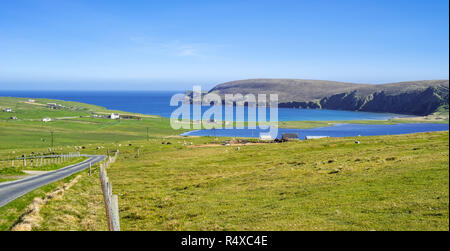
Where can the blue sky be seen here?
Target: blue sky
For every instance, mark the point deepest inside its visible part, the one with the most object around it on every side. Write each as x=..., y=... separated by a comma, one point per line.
x=163, y=45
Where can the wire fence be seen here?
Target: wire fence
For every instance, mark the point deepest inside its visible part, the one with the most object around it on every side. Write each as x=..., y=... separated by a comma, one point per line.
x=111, y=201
x=38, y=160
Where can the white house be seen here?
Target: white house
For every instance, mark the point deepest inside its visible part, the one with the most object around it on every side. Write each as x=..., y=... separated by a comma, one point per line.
x=46, y=119
x=265, y=137
x=7, y=110
x=31, y=100
x=114, y=116
x=316, y=137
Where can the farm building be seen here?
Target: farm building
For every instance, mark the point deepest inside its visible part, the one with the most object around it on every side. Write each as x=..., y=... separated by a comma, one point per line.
x=54, y=106
x=114, y=116
x=46, y=119
x=31, y=101
x=289, y=136
x=13, y=118
x=130, y=117
x=7, y=110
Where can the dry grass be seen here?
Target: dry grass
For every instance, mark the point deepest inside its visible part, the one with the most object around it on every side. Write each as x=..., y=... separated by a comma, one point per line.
x=384, y=183
x=31, y=218
x=81, y=209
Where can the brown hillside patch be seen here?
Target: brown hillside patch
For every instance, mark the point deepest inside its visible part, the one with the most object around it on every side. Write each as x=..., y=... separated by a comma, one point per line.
x=31, y=217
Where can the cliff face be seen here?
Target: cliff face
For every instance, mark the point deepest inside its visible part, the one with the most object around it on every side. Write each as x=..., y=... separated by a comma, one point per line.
x=416, y=98
x=418, y=102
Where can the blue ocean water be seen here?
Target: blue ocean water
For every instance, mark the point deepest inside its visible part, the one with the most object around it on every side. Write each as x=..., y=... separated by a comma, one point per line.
x=157, y=103
x=340, y=130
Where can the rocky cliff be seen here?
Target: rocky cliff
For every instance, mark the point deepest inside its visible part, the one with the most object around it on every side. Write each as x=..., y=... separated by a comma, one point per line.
x=416, y=97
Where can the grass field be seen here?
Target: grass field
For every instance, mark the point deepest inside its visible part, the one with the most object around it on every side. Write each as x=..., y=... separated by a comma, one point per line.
x=6, y=169
x=71, y=127
x=10, y=214
x=383, y=183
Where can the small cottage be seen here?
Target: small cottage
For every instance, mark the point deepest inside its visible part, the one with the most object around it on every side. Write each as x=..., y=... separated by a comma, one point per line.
x=114, y=116
x=46, y=119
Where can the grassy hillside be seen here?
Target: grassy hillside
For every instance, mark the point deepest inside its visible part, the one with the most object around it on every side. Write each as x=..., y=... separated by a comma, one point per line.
x=287, y=89
x=74, y=125
x=384, y=183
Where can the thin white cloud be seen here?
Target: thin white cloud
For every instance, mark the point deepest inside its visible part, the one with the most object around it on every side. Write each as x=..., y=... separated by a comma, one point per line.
x=187, y=51
x=171, y=48
x=180, y=49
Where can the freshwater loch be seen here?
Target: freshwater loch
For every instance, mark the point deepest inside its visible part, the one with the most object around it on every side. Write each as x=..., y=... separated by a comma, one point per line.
x=339, y=130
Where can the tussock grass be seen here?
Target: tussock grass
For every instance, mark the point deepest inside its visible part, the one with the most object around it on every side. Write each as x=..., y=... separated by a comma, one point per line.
x=10, y=213
x=80, y=209
x=32, y=218
x=384, y=183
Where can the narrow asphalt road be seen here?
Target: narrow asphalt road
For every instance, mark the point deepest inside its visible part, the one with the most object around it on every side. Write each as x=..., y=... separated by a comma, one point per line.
x=10, y=191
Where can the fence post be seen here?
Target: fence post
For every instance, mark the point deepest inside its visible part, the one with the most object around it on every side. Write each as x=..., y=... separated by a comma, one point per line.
x=115, y=209
x=105, y=199
x=108, y=196
x=111, y=201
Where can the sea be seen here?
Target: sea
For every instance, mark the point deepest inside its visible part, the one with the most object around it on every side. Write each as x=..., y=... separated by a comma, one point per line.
x=158, y=103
